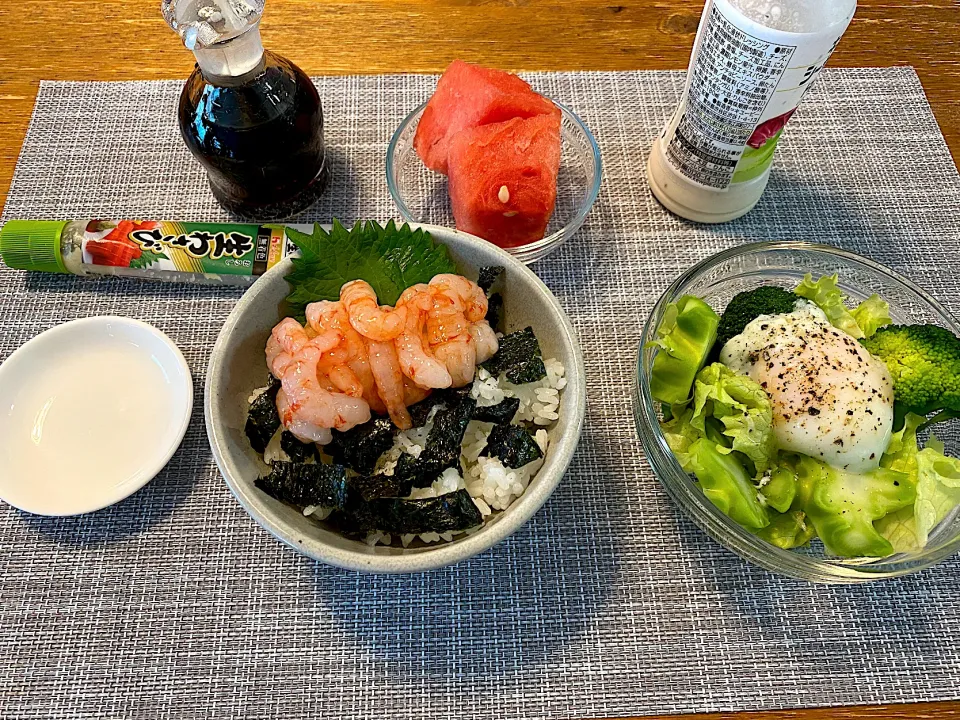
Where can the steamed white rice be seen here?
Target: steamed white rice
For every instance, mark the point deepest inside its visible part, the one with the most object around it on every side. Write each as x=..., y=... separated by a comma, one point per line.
x=492, y=486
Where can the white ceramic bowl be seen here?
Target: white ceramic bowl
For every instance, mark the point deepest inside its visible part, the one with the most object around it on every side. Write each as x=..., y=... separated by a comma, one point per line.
x=93, y=409
x=237, y=368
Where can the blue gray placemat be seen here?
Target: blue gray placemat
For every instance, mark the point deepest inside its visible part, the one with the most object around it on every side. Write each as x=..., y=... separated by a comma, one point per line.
x=174, y=604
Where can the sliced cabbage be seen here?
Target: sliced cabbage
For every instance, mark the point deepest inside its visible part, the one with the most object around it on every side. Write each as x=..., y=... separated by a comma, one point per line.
x=726, y=484
x=685, y=337
x=825, y=294
x=779, y=488
x=843, y=506
x=872, y=314
x=680, y=435
x=743, y=408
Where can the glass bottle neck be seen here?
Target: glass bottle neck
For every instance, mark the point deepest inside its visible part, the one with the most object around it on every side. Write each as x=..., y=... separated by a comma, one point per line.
x=230, y=62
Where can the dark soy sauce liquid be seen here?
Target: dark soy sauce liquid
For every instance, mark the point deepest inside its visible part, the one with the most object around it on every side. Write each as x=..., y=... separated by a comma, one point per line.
x=260, y=140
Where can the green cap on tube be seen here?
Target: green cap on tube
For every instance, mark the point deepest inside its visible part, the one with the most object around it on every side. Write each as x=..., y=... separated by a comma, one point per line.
x=33, y=245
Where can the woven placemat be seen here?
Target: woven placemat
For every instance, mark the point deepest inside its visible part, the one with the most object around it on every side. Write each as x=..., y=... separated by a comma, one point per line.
x=174, y=604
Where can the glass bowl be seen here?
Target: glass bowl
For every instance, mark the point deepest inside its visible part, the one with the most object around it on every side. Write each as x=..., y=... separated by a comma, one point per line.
x=421, y=194
x=717, y=279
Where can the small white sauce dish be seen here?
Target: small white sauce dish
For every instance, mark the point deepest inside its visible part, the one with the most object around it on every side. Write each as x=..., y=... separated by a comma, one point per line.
x=90, y=412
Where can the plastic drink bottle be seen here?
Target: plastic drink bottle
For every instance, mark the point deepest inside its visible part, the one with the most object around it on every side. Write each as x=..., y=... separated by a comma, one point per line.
x=753, y=62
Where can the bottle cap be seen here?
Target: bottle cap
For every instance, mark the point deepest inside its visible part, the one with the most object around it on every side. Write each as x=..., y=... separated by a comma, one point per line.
x=33, y=245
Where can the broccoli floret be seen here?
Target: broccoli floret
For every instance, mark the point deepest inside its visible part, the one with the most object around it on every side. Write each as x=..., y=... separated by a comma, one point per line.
x=924, y=362
x=748, y=306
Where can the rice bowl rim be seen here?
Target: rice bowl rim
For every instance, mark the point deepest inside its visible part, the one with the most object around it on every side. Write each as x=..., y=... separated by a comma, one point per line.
x=563, y=444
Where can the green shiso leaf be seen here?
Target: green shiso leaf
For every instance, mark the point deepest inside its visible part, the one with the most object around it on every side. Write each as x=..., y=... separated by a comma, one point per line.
x=390, y=258
x=146, y=259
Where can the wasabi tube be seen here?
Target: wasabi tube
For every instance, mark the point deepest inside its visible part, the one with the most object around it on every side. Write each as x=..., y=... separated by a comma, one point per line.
x=209, y=253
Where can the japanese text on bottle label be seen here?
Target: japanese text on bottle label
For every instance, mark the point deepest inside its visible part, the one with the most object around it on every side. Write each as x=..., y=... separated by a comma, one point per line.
x=732, y=80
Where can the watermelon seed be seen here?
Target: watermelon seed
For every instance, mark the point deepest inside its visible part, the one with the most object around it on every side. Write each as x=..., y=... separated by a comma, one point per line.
x=504, y=194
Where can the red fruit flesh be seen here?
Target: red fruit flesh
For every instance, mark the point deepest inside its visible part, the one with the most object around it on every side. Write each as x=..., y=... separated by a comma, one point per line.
x=469, y=96
x=520, y=155
x=115, y=253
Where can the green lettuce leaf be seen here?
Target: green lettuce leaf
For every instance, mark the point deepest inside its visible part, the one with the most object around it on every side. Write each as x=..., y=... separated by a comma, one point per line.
x=726, y=484
x=390, y=258
x=938, y=493
x=680, y=435
x=685, y=337
x=722, y=476
x=844, y=506
x=900, y=530
x=787, y=530
x=872, y=314
x=827, y=296
x=901, y=453
x=743, y=408
x=900, y=527
x=937, y=480
x=938, y=489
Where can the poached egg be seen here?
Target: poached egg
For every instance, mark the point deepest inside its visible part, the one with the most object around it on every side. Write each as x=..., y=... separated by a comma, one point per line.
x=832, y=400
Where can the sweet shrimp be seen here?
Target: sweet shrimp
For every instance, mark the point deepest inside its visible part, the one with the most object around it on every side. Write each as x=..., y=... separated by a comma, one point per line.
x=448, y=333
x=347, y=365
x=303, y=431
x=416, y=361
x=285, y=341
x=390, y=381
x=485, y=340
x=307, y=408
x=367, y=317
x=277, y=359
x=471, y=295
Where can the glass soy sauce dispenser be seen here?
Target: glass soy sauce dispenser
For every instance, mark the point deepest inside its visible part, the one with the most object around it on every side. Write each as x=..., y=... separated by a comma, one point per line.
x=252, y=118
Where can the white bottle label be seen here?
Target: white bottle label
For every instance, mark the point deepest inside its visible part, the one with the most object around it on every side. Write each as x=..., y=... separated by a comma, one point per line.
x=744, y=83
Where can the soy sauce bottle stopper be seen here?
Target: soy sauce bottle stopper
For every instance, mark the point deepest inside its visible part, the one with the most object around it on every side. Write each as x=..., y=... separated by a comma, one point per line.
x=251, y=117
x=224, y=35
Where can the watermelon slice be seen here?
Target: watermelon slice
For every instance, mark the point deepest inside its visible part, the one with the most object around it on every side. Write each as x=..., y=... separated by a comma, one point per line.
x=468, y=96
x=503, y=179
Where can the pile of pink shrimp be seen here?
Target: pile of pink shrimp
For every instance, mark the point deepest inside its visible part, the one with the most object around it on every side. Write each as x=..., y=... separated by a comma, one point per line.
x=355, y=357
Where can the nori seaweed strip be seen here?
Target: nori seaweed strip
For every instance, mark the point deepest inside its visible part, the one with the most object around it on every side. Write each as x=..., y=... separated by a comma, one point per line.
x=355, y=518
x=442, y=447
x=495, y=310
x=263, y=420
x=302, y=485
x=419, y=412
x=488, y=276
x=372, y=487
x=447, y=513
x=450, y=512
x=519, y=357
x=513, y=445
x=298, y=451
x=500, y=413
x=361, y=447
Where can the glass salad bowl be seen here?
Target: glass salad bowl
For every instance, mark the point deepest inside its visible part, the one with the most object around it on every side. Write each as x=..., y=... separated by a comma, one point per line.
x=421, y=194
x=717, y=279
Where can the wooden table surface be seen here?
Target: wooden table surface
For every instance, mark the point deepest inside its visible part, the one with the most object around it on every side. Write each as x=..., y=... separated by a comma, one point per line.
x=128, y=40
